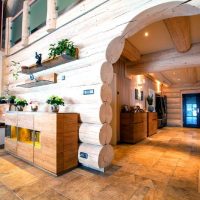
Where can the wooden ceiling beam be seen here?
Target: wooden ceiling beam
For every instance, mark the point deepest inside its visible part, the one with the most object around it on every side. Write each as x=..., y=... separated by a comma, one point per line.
x=131, y=52
x=160, y=77
x=179, y=30
x=165, y=60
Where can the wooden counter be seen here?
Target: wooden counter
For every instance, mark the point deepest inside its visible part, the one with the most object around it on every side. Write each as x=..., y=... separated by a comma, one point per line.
x=152, y=123
x=47, y=140
x=133, y=127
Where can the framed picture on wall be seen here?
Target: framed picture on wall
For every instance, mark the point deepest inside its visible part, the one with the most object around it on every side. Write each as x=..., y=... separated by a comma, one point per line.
x=136, y=94
x=142, y=95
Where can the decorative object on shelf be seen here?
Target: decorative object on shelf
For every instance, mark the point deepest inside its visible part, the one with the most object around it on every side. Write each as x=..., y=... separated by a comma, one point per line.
x=38, y=58
x=150, y=103
x=16, y=68
x=20, y=104
x=136, y=94
x=34, y=106
x=55, y=102
x=64, y=46
x=131, y=109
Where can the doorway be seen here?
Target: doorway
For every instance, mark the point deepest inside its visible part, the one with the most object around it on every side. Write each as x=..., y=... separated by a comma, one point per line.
x=191, y=115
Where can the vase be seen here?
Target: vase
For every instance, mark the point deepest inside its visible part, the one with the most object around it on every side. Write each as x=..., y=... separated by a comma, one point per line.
x=150, y=108
x=20, y=108
x=34, y=108
x=55, y=108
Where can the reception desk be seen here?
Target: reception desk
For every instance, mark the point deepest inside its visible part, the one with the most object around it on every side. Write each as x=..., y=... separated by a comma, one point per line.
x=47, y=140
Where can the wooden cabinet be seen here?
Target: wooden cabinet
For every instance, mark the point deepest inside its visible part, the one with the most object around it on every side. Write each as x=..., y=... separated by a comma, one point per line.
x=152, y=123
x=48, y=140
x=133, y=127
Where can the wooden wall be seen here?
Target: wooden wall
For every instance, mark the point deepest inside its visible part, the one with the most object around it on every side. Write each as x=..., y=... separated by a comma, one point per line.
x=99, y=29
x=125, y=87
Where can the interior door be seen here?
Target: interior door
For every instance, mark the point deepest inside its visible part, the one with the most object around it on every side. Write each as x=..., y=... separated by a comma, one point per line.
x=191, y=106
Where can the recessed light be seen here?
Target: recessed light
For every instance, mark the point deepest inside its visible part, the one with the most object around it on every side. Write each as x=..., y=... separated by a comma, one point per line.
x=178, y=79
x=146, y=34
x=174, y=73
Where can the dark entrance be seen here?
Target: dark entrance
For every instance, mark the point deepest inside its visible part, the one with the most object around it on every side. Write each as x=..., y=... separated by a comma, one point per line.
x=191, y=106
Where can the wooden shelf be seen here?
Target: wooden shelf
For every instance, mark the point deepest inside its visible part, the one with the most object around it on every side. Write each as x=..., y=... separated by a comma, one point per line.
x=43, y=80
x=48, y=63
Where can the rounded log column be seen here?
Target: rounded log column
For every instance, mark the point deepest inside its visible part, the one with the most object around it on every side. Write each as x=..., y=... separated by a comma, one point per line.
x=51, y=15
x=25, y=23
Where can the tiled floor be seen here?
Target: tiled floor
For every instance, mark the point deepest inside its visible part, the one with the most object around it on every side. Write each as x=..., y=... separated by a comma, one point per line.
x=163, y=167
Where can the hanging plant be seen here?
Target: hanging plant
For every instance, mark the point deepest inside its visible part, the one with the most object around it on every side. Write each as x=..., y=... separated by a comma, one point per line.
x=16, y=68
x=62, y=47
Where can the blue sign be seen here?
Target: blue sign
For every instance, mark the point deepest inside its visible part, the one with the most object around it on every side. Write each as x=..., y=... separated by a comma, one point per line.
x=88, y=92
x=83, y=155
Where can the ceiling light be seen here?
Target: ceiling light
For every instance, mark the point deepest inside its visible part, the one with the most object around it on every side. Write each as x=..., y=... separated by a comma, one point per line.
x=174, y=73
x=146, y=34
x=178, y=79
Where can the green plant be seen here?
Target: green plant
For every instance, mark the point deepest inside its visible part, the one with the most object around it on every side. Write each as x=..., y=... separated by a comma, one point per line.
x=11, y=99
x=16, y=67
x=62, y=47
x=20, y=102
x=55, y=100
x=150, y=99
x=3, y=100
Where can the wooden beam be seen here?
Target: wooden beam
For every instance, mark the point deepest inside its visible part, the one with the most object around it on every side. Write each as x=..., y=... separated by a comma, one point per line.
x=131, y=52
x=160, y=77
x=179, y=30
x=165, y=60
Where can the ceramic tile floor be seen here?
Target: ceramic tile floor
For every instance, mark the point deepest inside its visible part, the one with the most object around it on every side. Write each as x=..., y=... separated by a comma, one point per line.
x=163, y=167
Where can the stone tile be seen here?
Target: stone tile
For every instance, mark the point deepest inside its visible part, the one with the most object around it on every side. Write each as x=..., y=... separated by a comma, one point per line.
x=32, y=190
x=6, y=194
x=50, y=195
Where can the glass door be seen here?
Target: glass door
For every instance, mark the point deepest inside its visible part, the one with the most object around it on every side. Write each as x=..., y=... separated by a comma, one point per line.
x=191, y=115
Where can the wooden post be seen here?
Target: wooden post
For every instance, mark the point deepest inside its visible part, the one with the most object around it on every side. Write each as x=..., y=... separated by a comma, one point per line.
x=25, y=23
x=51, y=15
x=8, y=35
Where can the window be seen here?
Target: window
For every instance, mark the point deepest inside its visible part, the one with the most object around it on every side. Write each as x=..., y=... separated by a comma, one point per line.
x=38, y=13
x=62, y=5
x=16, y=30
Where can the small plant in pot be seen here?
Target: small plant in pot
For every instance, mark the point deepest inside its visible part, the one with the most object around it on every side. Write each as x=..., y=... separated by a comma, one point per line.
x=11, y=101
x=150, y=103
x=20, y=104
x=55, y=102
x=3, y=100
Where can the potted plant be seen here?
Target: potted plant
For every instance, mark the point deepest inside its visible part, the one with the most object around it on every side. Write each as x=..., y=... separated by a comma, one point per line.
x=11, y=101
x=20, y=104
x=64, y=46
x=55, y=102
x=3, y=100
x=150, y=103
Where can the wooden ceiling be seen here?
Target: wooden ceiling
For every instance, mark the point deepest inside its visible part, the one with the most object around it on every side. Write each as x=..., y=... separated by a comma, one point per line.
x=169, y=48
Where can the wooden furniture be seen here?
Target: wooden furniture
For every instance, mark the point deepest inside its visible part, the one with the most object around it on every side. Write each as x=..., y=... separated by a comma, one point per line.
x=152, y=123
x=133, y=127
x=47, y=140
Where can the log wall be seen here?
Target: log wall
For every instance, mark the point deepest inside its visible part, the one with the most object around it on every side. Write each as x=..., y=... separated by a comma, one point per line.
x=98, y=28
x=174, y=103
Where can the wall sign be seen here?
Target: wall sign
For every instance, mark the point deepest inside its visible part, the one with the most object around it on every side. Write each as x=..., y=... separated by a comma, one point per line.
x=88, y=92
x=83, y=155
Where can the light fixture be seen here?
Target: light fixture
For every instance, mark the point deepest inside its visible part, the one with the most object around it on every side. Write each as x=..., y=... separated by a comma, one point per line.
x=178, y=79
x=146, y=34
